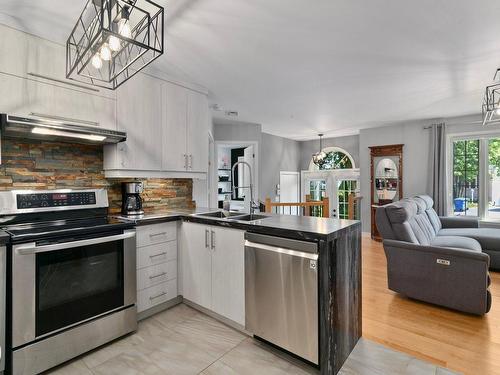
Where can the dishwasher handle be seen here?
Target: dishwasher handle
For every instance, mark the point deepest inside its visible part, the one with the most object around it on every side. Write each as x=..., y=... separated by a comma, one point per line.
x=281, y=250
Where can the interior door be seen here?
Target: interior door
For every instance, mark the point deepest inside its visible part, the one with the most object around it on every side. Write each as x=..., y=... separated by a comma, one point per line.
x=289, y=191
x=228, y=274
x=196, y=264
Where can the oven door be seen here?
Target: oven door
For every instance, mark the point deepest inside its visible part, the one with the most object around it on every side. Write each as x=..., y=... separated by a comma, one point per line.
x=60, y=284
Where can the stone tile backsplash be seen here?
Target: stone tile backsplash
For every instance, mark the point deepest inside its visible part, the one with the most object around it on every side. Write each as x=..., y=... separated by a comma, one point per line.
x=34, y=164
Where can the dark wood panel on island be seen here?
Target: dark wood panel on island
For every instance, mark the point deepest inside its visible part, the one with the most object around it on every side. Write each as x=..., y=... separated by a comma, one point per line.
x=340, y=324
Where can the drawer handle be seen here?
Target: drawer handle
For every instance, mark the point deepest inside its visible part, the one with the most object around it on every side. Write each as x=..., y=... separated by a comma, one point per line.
x=159, y=275
x=157, y=255
x=157, y=296
x=158, y=234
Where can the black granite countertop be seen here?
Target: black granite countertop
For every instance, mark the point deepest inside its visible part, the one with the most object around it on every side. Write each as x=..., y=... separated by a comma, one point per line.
x=299, y=227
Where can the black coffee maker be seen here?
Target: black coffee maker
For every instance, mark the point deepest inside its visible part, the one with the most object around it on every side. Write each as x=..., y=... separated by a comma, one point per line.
x=131, y=198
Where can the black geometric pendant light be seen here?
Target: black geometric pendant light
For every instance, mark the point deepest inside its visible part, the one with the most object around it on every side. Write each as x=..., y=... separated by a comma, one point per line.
x=113, y=40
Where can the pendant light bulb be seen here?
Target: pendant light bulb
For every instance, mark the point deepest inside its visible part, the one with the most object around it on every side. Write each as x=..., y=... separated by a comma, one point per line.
x=96, y=61
x=124, y=28
x=105, y=52
x=114, y=43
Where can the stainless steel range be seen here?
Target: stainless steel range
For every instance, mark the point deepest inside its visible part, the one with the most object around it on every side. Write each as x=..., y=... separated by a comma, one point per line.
x=72, y=276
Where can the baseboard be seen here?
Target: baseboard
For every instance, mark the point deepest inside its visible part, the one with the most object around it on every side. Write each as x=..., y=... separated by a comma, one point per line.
x=218, y=317
x=159, y=308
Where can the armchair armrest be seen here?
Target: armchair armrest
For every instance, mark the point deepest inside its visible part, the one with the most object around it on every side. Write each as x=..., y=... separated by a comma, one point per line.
x=459, y=222
x=450, y=277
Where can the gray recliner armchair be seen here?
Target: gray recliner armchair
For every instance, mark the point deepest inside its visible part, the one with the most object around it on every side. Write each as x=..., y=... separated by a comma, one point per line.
x=434, y=259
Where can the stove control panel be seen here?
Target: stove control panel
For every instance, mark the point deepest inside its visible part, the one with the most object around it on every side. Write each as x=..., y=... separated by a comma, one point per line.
x=45, y=200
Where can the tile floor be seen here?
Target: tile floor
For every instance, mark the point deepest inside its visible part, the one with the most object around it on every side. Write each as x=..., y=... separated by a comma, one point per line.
x=184, y=341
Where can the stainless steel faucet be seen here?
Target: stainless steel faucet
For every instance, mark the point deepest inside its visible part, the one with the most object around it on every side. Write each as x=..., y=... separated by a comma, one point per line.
x=234, y=188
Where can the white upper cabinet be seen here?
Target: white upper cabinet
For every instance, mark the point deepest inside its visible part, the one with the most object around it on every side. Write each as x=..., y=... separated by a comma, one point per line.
x=36, y=58
x=138, y=114
x=197, y=132
x=33, y=72
x=185, y=129
x=174, y=134
x=167, y=130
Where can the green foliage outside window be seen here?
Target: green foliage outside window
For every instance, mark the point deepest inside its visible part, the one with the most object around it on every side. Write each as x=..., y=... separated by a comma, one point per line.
x=494, y=156
x=335, y=160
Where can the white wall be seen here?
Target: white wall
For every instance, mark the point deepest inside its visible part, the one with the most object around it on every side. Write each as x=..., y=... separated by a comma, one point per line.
x=278, y=154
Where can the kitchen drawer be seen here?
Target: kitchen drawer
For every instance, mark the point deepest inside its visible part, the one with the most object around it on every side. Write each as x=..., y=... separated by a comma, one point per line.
x=156, y=233
x=156, y=254
x=155, y=295
x=149, y=276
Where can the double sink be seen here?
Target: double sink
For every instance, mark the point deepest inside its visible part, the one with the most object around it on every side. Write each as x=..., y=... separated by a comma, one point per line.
x=236, y=216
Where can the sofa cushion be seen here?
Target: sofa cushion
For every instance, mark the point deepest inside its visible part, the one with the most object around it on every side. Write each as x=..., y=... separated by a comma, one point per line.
x=456, y=242
x=421, y=205
x=431, y=213
x=489, y=238
x=422, y=228
x=401, y=211
x=400, y=215
x=383, y=224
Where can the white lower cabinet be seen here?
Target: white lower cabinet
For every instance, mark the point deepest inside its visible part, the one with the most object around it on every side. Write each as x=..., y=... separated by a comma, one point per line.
x=151, y=297
x=156, y=264
x=213, y=273
x=196, y=258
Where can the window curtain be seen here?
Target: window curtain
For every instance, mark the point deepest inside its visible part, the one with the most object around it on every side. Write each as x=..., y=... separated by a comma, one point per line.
x=438, y=166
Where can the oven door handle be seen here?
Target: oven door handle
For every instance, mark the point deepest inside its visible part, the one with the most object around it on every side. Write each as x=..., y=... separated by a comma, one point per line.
x=33, y=249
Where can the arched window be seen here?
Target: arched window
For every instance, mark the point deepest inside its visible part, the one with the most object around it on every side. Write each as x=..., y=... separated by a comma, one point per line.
x=336, y=158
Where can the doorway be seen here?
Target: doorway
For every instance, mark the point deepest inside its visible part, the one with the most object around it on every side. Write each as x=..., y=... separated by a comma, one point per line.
x=289, y=191
x=227, y=154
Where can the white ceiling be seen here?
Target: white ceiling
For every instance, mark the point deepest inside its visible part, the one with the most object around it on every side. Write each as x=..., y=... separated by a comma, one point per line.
x=299, y=67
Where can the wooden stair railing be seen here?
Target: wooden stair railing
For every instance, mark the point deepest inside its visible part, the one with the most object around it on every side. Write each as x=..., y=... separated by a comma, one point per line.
x=305, y=207
x=353, y=206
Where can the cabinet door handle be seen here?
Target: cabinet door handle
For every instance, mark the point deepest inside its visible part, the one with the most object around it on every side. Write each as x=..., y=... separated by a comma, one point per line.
x=190, y=161
x=185, y=162
x=158, y=234
x=207, y=233
x=157, y=255
x=157, y=296
x=61, y=81
x=212, y=242
x=156, y=276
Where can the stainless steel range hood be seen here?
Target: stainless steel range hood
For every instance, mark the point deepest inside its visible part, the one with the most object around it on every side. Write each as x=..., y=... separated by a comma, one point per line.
x=58, y=130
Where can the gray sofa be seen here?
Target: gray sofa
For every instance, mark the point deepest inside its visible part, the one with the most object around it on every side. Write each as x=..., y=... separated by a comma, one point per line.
x=444, y=261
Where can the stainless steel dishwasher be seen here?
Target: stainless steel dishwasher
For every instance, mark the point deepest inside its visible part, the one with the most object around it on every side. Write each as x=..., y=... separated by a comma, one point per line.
x=3, y=308
x=281, y=293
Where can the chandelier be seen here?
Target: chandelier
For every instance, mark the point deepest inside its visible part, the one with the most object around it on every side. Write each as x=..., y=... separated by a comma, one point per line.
x=113, y=40
x=319, y=156
x=491, y=101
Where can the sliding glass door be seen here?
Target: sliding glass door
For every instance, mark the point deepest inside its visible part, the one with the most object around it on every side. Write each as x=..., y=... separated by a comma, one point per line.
x=475, y=177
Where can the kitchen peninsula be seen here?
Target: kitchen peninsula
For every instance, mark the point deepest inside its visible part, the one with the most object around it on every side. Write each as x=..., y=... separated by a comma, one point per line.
x=338, y=265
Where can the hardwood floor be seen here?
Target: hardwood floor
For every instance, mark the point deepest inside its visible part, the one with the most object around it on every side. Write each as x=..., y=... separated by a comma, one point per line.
x=461, y=342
